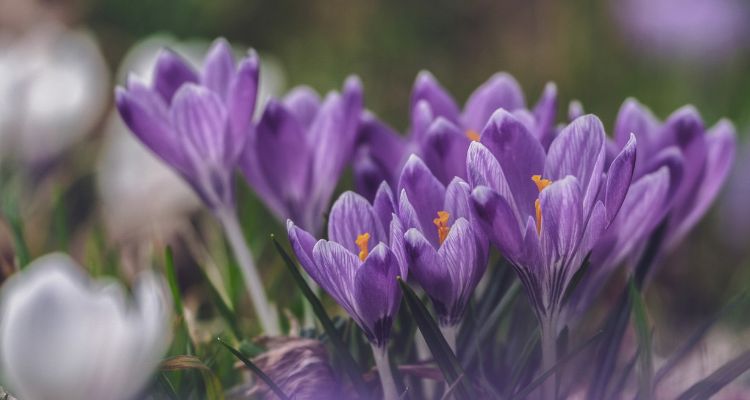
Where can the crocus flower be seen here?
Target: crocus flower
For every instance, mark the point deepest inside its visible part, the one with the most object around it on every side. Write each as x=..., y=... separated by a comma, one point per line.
x=378, y=157
x=546, y=212
x=301, y=145
x=198, y=124
x=699, y=160
x=358, y=266
x=442, y=133
x=445, y=246
x=63, y=336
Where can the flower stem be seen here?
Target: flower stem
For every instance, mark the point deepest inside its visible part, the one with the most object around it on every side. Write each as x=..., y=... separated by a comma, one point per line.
x=266, y=314
x=549, y=356
x=384, y=371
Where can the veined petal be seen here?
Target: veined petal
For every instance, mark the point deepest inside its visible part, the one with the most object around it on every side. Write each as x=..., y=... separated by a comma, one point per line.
x=426, y=268
x=442, y=104
x=351, y=216
x=407, y=214
x=384, y=204
x=545, y=111
x=377, y=294
x=218, y=68
x=199, y=117
x=500, y=91
x=241, y=100
x=170, y=73
x=497, y=220
x=283, y=156
x=304, y=102
x=397, y=246
x=562, y=221
x=519, y=154
x=424, y=192
x=302, y=244
x=619, y=178
x=458, y=200
x=634, y=118
x=483, y=169
x=579, y=150
x=444, y=150
x=334, y=270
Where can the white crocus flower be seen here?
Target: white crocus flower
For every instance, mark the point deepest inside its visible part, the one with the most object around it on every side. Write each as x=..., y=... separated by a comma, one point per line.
x=65, y=336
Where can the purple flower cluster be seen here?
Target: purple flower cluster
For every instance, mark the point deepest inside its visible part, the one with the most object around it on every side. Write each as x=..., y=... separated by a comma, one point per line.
x=431, y=204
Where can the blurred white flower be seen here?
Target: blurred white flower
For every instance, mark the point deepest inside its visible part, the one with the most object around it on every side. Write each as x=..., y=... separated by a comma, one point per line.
x=64, y=336
x=54, y=88
x=140, y=194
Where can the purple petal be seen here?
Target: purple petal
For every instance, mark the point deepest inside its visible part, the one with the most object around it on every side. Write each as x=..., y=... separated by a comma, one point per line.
x=500, y=91
x=384, y=204
x=146, y=114
x=218, y=68
x=579, y=150
x=425, y=193
x=444, y=150
x=421, y=119
x=619, y=177
x=484, y=170
x=397, y=246
x=334, y=270
x=377, y=294
x=302, y=244
x=425, y=266
x=442, y=104
x=575, y=110
x=721, y=144
x=498, y=221
x=544, y=112
x=351, y=216
x=304, y=102
x=458, y=200
x=241, y=100
x=562, y=221
x=170, y=73
x=520, y=156
x=283, y=156
x=199, y=117
x=380, y=154
x=407, y=214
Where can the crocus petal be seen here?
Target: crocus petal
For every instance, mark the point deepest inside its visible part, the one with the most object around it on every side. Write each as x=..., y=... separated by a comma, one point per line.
x=721, y=144
x=279, y=135
x=351, y=216
x=545, y=111
x=519, y=154
x=377, y=294
x=497, y=220
x=421, y=119
x=424, y=192
x=500, y=91
x=304, y=102
x=444, y=150
x=199, y=116
x=407, y=213
x=170, y=73
x=334, y=270
x=302, y=244
x=634, y=118
x=458, y=200
x=579, y=150
x=218, y=68
x=427, y=88
x=575, y=110
x=619, y=177
x=145, y=113
x=384, y=204
x=397, y=246
x=241, y=99
x=383, y=150
x=562, y=220
x=426, y=268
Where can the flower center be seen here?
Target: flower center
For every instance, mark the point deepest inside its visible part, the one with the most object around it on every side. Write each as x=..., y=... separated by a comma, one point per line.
x=541, y=184
x=441, y=222
x=362, y=241
x=472, y=135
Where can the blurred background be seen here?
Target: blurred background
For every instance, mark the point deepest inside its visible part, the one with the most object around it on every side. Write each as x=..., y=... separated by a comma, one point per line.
x=73, y=179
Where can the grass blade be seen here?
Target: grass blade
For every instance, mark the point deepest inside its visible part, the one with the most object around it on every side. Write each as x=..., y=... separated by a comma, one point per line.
x=172, y=280
x=214, y=390
x=541, y=378
x=441, y=352
x=353, y=370
x=523, y=361
x=720, y=378
x=490, y=324
x=252, y=367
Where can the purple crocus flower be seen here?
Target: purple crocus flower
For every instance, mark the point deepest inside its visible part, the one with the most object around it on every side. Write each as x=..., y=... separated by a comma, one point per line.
x=301, y=145
x=379, y=155
x=196, y=122
x=358, y=266
x=546, y=212
x=445, y=247
x=699, y=160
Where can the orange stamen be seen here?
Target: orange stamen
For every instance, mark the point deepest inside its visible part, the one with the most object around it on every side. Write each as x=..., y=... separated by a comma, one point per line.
x=540, y=183
x=441, y=222
x=472, y=135
x=362, y=241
